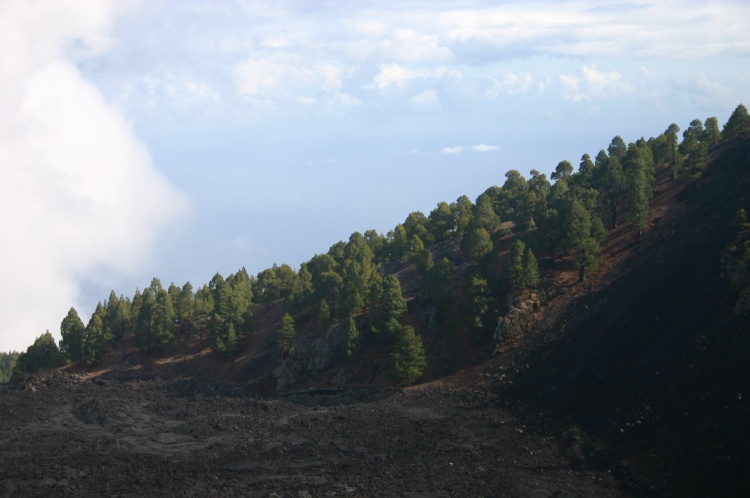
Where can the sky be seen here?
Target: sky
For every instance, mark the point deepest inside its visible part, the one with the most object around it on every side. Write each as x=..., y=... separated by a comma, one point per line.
x=180, y=138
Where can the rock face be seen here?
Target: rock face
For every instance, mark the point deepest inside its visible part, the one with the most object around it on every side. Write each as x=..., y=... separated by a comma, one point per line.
x=519, y=319
x=312, y=357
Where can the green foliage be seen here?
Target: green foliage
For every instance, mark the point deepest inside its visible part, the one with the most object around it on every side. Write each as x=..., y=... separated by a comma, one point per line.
x=7, y=364
x=478, y=309
x=96, y=342
x=41, y=355
x=287, y=331
x=409, y=359
x=351, y=339
x=72, y=332
x=531, y=278
x=144, y=330
x=712, y=132
x=118, y=320
x=478, y=244
x=462, y=215
x=390, y=306
x=441, y=222
x=164, y=321
x=611, y=183
x=563, y=171
x=694, y=149
x=416, y=224
x=738, y=123
x=324, y=316
x=514, y=270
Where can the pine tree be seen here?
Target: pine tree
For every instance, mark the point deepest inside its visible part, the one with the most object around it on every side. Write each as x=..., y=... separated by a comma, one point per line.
x=531, y=276
x=95, y=344
x=324, y=316
x=72, y=332
x=409, y=359
x=43, y=354
x=737, y=124
x=287, y=332
x=514, y=271
x=163, y=321
x=389, y=308
x=351, y=339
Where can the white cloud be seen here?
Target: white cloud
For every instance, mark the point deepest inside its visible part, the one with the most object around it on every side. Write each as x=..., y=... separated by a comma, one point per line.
x=395, y=74
x=706, y=94
x=80, y=198
x=452, y=150
x=484, y=148
x=592, y=84
x=511, y=85
x=278, y=78
x=428, y=97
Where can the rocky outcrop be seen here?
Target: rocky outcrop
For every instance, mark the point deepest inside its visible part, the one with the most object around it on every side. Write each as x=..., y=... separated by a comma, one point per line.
x=520, y=318
x=312, y=357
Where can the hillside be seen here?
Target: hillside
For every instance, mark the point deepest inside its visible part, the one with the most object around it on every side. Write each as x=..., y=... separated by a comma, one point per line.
x=633, y=382
x=652, y=364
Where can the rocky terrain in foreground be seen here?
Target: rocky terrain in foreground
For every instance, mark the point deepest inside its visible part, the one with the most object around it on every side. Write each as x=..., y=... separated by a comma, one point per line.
x=67, y=436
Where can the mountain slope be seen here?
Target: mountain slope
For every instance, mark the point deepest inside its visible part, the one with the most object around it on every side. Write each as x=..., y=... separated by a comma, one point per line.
x=652, y=366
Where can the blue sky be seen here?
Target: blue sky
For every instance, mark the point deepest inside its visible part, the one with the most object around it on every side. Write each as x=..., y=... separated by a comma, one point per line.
x=180, y=138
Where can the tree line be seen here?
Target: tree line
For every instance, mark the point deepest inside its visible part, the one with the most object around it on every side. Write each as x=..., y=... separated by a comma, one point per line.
x=564, y=216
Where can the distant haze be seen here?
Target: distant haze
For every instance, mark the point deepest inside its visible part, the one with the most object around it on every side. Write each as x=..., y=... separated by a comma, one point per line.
x=181, y=138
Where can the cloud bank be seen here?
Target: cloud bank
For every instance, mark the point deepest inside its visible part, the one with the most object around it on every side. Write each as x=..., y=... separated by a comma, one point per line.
x=79, y=197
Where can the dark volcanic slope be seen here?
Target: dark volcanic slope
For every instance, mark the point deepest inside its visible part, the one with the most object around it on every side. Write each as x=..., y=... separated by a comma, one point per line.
x=653, y=366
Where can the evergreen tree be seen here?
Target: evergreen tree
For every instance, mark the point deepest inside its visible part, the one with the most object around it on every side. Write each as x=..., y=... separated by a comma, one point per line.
x=514, y=271
x=441, y=222
x=399, y=242
x=617, y=148
x=144, y=330
x=96, y=341
x=462, y=215
x=390, y=306
x=72, y=332
x=610, y=181
x=185, y=308
x=163, y=321
x=478, y=307
x=416, y=224
x=287, y=332
x=713, y=134
x=409, y=359
x=43, y=354
x=7, y=364
x=324, y=316
x=204, y=308
x=484, y=215
x=477, y=244
x=351, y=339
x=563, y=171
x=738, y=123
x=531, y=278
x=695, y=149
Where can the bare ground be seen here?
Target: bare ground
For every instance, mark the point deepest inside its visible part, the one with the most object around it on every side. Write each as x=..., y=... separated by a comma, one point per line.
x=70, y=436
